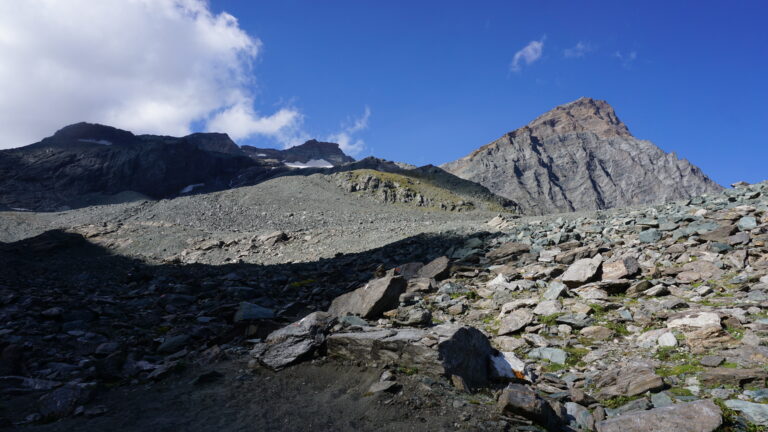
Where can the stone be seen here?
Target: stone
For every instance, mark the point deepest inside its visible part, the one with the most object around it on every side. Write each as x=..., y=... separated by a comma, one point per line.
x=694, y=320
x=509, y=343
x=728, y=376
x=437, y=269
x=640, y=404
x=548, y=307
x=649, y=236
x=273, y=238
x=372, y=300
x=720, y=234
x=621, y=269
x=507, y=250
x=667, y=340
x=515, y=321
x=628, y=381
x=697, y=416
x=747, y=223
x=661, y=400
x=712, y=360
x=522, y=400
x=596, y=332
x=578, y=320
x=554, y=290
x=582, y=271
x=295, y=341
x=249, y=311
x=417, y=316
x=579, y=417
x=553, y=355
x=754, y=412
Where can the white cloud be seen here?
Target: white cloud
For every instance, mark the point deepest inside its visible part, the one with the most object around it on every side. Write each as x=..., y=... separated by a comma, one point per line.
x=350, y=144
x=578, y=50
x=626, y=59
x=529, y=54
x=149, y=66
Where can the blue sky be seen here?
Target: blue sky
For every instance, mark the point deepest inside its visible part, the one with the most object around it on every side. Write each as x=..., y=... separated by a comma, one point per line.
x=421, y=81
x=436, y=76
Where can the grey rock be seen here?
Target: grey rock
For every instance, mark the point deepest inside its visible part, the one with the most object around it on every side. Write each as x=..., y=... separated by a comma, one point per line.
x=747, y=223
x=649, y=236
x=582, y=271
x=621, y=269
x=579, y=417
x=515, y=321
x=661, y=400
x=371, y=300
x=628, y=381
x=712, y=360
x=518, y=399
x=437, y=269
x=295, y=341
x=641, y=404
x=554, y=355
x=698, y=416
x=554, y=290
x=754, y=412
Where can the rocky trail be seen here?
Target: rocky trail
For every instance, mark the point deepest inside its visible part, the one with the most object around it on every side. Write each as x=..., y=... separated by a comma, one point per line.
x=638, y=319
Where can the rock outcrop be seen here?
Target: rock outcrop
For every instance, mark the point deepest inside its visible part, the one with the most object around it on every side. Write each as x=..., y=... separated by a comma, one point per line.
x=580, y=156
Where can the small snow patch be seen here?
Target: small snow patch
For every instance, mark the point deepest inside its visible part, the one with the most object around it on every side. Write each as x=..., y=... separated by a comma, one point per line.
x=313, y=163
x=261, y=155
x=191, y=187
x=95, y=141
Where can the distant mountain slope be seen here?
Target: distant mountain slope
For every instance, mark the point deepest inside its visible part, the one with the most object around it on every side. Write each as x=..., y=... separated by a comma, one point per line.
x=580, y=156
x=85, y=164
x=310, y=150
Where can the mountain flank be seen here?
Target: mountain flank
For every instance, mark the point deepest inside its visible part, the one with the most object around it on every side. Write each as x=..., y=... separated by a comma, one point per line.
x=580, y=156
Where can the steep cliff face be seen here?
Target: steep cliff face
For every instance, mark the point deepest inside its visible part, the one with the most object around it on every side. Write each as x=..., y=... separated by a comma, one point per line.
x=580, y=156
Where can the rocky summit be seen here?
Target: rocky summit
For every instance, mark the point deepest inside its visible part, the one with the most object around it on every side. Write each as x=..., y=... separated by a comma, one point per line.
x=580, y=156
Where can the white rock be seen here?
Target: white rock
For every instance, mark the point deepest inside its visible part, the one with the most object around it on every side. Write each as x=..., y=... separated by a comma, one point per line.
x=695, y=319
x=667, y=340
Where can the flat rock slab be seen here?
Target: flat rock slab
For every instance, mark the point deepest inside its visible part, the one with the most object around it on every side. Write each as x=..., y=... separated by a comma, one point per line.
x=507, y=250
x=754, y=412
x=372, y=300
x=694, y=320
x=731, y=376
x=515, y=321
x=437, y=269
x=628, y=381
x=442, y=350
x=698, y=416
x=582, y=271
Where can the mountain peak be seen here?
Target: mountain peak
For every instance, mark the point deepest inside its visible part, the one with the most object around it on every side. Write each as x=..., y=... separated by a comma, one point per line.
x=582, y=115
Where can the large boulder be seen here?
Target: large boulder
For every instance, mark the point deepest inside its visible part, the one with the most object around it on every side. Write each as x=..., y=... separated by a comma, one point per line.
x=438, y=269
x=582, y=271
x=522, y=400
x=697, y=416
x=448, y=350
x=294, y=341
x=372, y=300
